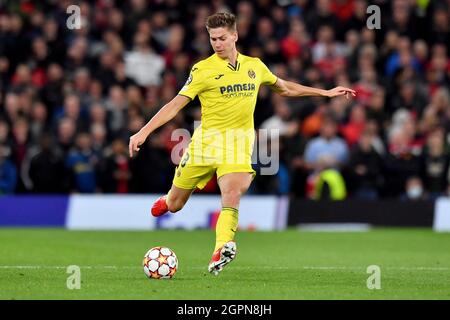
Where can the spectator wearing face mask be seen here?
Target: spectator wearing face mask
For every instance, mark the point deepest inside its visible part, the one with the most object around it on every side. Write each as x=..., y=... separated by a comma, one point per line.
x=414, y=190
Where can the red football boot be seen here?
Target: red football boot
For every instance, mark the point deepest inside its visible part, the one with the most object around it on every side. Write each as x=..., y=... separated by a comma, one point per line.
x=222, y=257
x=160, y=207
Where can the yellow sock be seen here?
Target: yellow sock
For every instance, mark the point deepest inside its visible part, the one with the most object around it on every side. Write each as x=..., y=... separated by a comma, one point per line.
x=226, y=226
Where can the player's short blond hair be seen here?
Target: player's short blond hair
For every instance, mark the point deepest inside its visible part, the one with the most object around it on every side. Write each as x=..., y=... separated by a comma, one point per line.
x=221, y=20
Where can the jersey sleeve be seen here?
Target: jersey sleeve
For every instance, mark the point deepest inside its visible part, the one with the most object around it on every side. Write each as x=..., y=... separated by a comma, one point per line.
x=267, y=77
x=194, y=84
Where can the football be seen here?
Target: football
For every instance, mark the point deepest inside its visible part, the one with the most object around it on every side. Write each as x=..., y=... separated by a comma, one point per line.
x=160, y=263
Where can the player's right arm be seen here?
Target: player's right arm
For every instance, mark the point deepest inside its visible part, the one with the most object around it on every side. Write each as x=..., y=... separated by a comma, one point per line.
x=167, y=112
x=193, y=86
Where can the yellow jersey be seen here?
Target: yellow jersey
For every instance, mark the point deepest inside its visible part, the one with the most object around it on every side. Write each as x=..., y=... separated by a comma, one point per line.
x=227, y=96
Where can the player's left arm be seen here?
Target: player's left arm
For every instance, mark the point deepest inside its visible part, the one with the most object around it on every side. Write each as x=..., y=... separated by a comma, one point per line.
x=292, y=89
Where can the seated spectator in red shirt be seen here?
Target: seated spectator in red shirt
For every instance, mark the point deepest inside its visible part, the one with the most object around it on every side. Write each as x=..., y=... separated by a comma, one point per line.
x=355, y=126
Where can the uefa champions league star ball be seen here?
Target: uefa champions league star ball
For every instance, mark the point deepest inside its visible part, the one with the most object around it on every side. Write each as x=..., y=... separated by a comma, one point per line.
x=160, y=263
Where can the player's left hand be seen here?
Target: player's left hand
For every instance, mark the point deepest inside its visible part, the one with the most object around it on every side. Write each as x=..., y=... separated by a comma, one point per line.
x=340, y=91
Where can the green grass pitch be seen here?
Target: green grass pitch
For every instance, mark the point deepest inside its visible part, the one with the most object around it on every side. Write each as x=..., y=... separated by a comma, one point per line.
x=292, y=264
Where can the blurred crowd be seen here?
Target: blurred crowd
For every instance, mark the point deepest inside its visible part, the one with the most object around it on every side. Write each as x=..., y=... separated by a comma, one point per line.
x=71, y=98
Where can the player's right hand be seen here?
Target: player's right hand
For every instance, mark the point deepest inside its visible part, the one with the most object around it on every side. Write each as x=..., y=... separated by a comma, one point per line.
x=135, y=141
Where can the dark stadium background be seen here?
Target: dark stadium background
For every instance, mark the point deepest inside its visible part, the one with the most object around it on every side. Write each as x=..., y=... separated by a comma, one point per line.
x=71, y=98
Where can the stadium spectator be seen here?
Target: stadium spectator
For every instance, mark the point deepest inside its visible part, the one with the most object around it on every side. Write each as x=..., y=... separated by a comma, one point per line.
x=8, y=172
x=326, y=52
x=77, y=54
x=81, y=86
x=65, y=135
x=120, y=77
x=440, y=30
x=54, y=37
x=435, y=164
x=52, y=93
x=142, y=64
x=11, y=107
x=82, y=163
x=38, y=121
x=409, y=98
x=287, y=128
x=282, y=119
x=40, y=57
x=293, y=44
x=400, y=162
x=414, y=189
x=358, y=18
x=114, y=170
x=364, y=169
x=437, y=112
x=353, y=129
x=376, y=109
x=99, y=138
x=72, y=110
x=106, y=71
x=322, y=15
x=47, y=172
x=116, y=105
x=152, y=168
x=98, y=115
x=402, y=21
x=21, y=144
x=5, y=139
x=313, y=122
x=4, y=70
x=328, y=150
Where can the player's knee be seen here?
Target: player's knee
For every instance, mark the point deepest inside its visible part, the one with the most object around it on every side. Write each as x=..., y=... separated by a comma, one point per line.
x=231, y=197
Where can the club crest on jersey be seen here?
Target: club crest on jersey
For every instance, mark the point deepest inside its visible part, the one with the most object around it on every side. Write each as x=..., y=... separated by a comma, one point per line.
x=251, y=74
